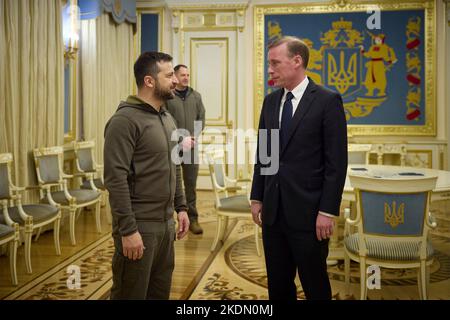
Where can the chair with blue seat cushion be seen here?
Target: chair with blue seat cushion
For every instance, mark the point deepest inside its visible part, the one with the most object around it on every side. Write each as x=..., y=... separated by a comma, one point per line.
x=90, y=171
x=50, y=175
x=226, y=206
x=29, y=217
x=393, y=223
x=10, y=235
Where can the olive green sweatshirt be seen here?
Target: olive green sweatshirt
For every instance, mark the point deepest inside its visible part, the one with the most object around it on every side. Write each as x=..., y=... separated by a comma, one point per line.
x=143, y=182
x=187, y=110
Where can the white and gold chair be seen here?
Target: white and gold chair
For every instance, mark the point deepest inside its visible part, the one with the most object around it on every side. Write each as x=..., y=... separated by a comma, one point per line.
x=10, y=235
x=226, y=206
x=90, y=170
x=50, y=175
x=392, y=222
x=29, y=217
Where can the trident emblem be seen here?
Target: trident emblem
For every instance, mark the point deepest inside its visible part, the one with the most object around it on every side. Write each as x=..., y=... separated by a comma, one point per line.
x=339, y=77
x=395, y=216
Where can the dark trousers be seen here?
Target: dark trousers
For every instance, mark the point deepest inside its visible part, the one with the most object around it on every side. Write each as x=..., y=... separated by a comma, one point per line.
x=288, y=251
x=190, y=174
x=150, y=277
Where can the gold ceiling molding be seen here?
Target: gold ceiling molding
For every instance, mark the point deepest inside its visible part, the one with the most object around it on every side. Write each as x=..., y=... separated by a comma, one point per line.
x=208, y=18
x=209, y=7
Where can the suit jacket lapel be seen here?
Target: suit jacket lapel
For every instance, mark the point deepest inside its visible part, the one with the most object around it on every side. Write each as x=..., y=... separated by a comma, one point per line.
x=276, y=111
x=302, y=108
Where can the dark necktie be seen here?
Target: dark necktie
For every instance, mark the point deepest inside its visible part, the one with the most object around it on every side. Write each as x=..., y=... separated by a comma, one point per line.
x=286, y=118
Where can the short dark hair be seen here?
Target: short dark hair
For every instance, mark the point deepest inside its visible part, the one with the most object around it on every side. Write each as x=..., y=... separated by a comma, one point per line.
x=178, y=66
x=147, y=64
x=295, y=46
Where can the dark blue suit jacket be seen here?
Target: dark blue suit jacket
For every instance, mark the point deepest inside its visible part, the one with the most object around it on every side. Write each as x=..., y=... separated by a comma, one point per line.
x=313, y=163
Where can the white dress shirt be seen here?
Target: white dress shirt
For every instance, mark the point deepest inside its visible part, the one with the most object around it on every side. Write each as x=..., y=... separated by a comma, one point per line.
x=298, y=92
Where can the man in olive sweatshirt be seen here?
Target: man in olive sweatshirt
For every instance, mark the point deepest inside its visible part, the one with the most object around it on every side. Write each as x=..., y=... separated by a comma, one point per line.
x=144, y=184
x=188, y=110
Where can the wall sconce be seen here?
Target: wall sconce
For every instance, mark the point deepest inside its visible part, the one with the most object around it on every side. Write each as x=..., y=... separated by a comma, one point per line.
x=71, y=27
x=71, y=48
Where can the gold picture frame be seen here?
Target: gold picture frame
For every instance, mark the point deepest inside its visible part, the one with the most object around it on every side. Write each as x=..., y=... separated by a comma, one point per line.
x=343, y=6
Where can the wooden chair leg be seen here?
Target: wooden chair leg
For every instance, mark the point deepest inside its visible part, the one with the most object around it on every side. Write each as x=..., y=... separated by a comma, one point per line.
x=72, y=214
x=363, y=284
x=56, y=227
x=218, y=231
x=98, y=217
x=28, y=236
x=347, y=272
x=423, y=279
x=223, y=228
x=13, y=261
x=419, y=283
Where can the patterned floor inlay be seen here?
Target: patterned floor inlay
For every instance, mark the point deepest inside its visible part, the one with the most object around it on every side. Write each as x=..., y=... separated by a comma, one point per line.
x=238, y=273
x=94, y=263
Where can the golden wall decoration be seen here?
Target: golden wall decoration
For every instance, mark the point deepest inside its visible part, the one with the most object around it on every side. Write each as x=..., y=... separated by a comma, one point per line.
x=347, y=56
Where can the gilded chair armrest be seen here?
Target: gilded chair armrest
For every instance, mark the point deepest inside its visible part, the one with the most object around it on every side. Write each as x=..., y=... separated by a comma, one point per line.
x=431, y=221
x=79, y=174
x=352, y=222
x=6, y=216
x=49, y=196
x=90, y=178
x=25, y=217
x=243, y=180
x=348, y=220
x=67, y=176
x=51, y=201
x=68, y=196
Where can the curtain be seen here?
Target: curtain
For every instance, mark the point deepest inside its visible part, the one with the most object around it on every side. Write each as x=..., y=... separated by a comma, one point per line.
x=31, y=81
x=106, y=65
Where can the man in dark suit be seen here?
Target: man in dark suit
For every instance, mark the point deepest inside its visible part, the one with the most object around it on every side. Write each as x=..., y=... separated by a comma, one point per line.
x=297, y=204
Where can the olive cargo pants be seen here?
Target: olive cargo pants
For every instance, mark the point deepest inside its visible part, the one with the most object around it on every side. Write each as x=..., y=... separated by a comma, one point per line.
x=150, y=277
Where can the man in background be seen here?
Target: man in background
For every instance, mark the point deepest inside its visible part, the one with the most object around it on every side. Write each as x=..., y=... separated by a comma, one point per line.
x=187, y=109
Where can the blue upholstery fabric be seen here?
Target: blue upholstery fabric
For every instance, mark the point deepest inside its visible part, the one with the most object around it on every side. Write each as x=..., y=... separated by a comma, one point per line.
x=393, y=214
x=49, y=168
x=218, y=171
x=4, y=181
x=5, y=231
x=82, y=196
x=85, y=160
x=40, y=212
